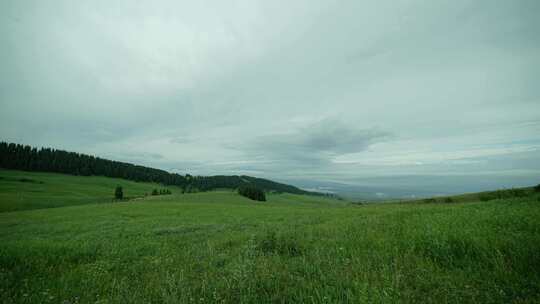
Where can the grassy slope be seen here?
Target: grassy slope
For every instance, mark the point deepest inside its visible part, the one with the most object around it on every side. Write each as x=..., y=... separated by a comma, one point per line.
x=57, y=190
x=220, y=247
x=473, y=197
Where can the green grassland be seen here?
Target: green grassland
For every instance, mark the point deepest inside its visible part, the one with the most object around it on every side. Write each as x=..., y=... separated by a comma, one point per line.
x=21, y=190
x=219, y=247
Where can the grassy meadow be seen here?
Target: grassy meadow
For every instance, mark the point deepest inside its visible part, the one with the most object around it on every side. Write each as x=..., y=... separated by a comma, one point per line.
x=21, y=190
x=219, y=247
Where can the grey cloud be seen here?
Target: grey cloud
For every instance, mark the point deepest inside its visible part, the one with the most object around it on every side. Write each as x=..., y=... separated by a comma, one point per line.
x=315, y=143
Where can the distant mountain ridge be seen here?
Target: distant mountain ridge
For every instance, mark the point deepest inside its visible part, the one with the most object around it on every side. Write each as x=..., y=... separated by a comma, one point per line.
x=27, y=158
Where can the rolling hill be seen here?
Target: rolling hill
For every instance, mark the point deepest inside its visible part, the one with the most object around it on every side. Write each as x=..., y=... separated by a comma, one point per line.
x=23, y=157
x=20, y=190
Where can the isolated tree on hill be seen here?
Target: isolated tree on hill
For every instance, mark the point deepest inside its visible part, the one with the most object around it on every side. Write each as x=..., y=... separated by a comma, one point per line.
x=118, y=193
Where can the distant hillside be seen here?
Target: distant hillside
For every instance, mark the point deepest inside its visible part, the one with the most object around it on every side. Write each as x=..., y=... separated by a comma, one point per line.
x=23, y=157
x=23, y=190
x=483, y=196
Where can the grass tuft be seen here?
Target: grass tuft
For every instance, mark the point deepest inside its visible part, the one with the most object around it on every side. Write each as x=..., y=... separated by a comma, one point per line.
x=282, y=244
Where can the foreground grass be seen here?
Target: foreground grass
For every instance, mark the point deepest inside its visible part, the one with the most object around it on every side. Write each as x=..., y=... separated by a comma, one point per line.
x=21, y=190
x=222, y=248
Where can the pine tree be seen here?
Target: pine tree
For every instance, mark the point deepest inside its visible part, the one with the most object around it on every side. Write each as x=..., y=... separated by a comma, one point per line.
x=118, y=193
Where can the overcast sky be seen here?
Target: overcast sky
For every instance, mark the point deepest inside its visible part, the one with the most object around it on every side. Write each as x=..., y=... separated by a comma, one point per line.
x=410, y=94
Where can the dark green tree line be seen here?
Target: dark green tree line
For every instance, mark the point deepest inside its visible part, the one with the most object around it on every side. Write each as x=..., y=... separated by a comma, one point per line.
x=23, y=157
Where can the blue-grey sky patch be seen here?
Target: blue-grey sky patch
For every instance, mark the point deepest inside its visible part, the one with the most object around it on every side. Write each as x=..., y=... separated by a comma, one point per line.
x=314, y=92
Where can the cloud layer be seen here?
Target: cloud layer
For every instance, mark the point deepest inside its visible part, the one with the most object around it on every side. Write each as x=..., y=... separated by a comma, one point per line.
x=310, y=92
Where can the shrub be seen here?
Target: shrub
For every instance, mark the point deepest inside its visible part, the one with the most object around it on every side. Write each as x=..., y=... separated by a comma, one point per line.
x=155, y=192
x=189, y=189
x=448, y=200
x=486, y=197
x=517, y=193
x=502, y=194
x=28, y=180
x=118, y=193
x=252, y=192
x=537, y=188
